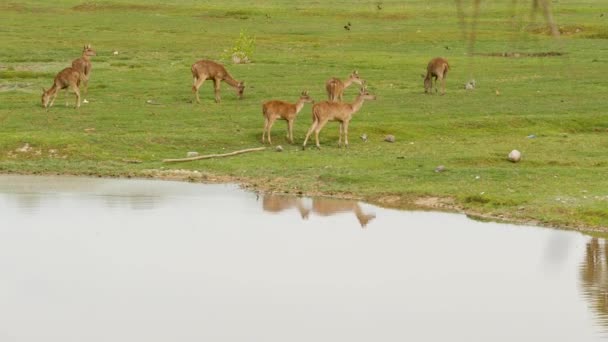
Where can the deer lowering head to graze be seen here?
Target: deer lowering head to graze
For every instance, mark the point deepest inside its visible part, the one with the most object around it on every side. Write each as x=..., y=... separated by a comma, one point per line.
x=325, y=111
x=438, y=69
x=275, y=109
x=335, y=87
x=83, y=66
x=277, y=203
x=204, y=69
x=68, y=78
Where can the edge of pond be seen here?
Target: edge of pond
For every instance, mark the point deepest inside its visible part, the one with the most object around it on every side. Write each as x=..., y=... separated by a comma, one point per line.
x=389, y=201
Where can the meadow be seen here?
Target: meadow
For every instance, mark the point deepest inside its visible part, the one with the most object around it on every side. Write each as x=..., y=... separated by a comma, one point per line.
x=543, y=96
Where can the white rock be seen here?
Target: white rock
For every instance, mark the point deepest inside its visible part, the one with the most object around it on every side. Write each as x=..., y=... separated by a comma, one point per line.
x=192, y=154
x=514, y=156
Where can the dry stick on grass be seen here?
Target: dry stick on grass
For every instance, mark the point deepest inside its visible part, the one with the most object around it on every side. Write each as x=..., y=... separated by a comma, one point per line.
x=214, y=155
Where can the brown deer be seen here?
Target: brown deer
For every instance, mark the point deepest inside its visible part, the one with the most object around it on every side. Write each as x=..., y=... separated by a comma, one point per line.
x=276, y=109
x=330, y=206
x=205, y=69
x=325, y=111
x=66, y=78
x=277, y=203
x=83, y=66
x=437, y=68
x=335, y=87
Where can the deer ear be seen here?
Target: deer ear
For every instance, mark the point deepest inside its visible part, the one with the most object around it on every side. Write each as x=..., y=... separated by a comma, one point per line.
x=356, y=72
x=43, y=90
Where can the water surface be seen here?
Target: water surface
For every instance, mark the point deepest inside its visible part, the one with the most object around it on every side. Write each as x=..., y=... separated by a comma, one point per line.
x=137, y=260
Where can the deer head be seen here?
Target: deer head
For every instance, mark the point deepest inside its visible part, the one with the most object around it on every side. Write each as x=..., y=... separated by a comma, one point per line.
x=87, y=50
x=355, y=77
x=46, y=97
x=366, y=94
x=240, y=89
x=305, y=97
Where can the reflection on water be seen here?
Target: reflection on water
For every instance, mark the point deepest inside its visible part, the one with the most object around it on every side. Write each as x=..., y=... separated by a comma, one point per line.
x=321, y=206
x=594, y=276
x=133, y=260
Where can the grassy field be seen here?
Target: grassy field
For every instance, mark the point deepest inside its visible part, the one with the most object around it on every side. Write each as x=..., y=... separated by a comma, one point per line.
x=561, y=100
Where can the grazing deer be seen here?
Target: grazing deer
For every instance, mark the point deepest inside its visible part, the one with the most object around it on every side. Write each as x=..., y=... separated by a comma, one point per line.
x=335, y=87
x=205, y=69
x=66, y=78
x=437, y=68
x=275, y=109
x=325, y=111
x=83, y=66
x=330, y=206
x=278, y=203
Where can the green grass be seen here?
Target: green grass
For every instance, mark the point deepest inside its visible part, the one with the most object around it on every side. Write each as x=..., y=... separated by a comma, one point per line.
x=560, y=99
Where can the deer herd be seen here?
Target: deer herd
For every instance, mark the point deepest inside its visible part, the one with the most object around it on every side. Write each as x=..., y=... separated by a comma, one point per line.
x=334, y=109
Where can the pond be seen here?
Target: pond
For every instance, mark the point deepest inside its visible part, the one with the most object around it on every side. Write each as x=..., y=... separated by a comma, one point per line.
x=85, y=259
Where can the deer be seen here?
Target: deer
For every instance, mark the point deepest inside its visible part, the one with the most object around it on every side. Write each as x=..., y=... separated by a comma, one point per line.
x=66, y=78
x=205, y=69
x=325, y=111
x=277, y=203
x=438, y=69
x=275, y=109
x=330, y=206
x=83, y=66
x=335, y=87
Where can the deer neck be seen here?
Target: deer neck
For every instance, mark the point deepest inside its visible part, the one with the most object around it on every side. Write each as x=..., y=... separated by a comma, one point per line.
x=231, y=81
x=358, y=103
x=299, y=106
x=348, y=82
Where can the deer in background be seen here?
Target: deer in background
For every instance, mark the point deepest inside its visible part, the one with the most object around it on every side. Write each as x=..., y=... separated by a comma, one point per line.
x=437, y=68
x=276, y=109
x=205, y=69
x=66, y=78
x=331, y=206
x=335, y=87
x=325, y=111
x=83, y=66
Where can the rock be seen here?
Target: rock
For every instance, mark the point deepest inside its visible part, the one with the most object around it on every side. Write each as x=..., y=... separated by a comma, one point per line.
x=514, y=156
x=24, y=149
x=115, y=53
x=389, y=138
x=440, y=168
x=531, y=136
x=85, y=101
x=497, y=92
x=364, y=137
x=470, y=85
x=192, y=154
x=279, y=148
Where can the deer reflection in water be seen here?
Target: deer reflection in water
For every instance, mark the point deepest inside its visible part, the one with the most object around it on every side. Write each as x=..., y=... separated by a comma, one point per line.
x=320, y=206
x=594, y=278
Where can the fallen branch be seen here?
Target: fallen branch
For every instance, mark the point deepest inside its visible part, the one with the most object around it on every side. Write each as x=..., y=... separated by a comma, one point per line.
x=214, y=155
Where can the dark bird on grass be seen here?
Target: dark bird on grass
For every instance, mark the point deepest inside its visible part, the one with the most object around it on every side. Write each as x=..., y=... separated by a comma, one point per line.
x=346, y=27
x=447, y=47
x=379, y=6
x=348, y=24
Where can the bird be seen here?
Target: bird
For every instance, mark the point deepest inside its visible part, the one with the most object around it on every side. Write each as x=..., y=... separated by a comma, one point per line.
x=346, y=27
x=379, y=6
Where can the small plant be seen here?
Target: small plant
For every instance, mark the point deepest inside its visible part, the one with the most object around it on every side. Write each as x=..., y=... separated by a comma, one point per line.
x=243, y=49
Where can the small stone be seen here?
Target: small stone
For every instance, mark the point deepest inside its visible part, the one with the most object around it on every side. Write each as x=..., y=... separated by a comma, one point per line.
x=390, y=138
x=192, y=154
x=440, y=168
x=115, y=53
x=85, y=101
x=25, y=148
x=279, y=148
x=364, y=137
x=531, y=136
x=514, y=156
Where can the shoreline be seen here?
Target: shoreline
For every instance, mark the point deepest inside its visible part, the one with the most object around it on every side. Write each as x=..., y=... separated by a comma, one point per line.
x=399, y=202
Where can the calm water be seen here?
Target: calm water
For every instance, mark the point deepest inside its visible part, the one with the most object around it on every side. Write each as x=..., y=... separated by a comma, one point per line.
x=132, y=260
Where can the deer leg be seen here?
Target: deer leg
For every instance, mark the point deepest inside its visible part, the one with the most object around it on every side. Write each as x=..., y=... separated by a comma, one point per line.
x=197, y=83
x=312, y=128
x=290, y=131
x=270, y=123
x=77, y=93
x=67, y=104
x=265, y=128
x=317, y=130
x=345, y=129
x=442, y=86
x=341, y=126
x=216, y=83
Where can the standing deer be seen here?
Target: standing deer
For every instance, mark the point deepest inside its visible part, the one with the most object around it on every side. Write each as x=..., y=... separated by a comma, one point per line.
x=437, y=68
x=275, y=109
x=205, y=69
x=83, y=66
x=325, y=111
x=66, y=78
x=335, y=87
